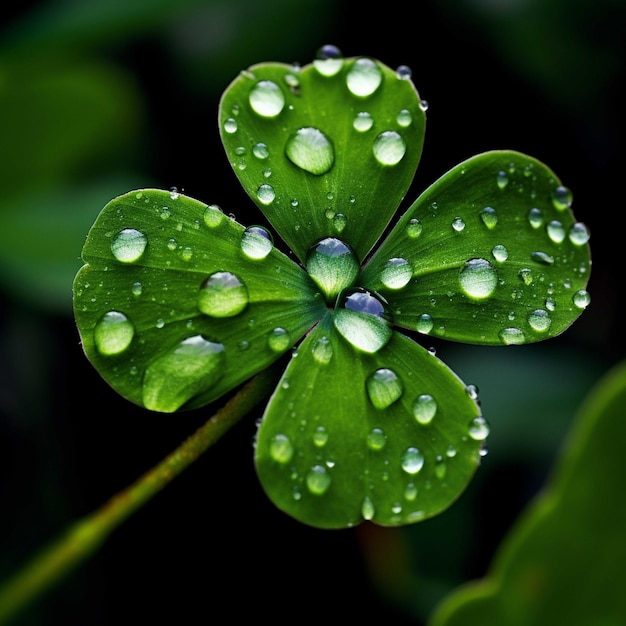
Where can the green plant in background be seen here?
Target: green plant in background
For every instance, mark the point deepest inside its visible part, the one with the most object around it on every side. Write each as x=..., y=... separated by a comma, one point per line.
x=178, y=303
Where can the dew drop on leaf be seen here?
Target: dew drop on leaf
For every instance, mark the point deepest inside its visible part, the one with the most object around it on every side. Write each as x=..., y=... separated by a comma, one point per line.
x=384, y=388
x=511, y=336
x=363, y=121
x=328, y=60
x=458, y=224
x=535, y=217
x=376, y=439
x=424, y=323
x=556, y=231
x=281, y=448
x=489, y=217
x=267, y=99
x=230, y=126
x=260, y=151
x=256, y=242
x=389, y=148
x=500, y=253
x=542, y=257
x=174, y=378
x=279, y=340
x=539, y=320
x=311, y=150
x=396, y=273
x=367, y=508
x=333, y=265
x=479, y=428
x=412, y=461
x=414, y=228
x=478, y=278
x=562, y=198
x=129, y=245
x=424, y=408
x=578, y=234
x=113, y=333
x=404, y=118
x=502, y=180
x=265, y=193
x=320, y=437
x=322, y=350
x=222, y=295
x=213, y=216
x=364, y=77
x=581, y=299
x=318, y=480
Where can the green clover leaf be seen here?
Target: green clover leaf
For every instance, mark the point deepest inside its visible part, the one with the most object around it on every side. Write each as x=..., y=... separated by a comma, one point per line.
x=177, y=303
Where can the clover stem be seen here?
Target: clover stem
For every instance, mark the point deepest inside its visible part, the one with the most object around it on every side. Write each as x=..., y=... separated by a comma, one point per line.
x=86, y=535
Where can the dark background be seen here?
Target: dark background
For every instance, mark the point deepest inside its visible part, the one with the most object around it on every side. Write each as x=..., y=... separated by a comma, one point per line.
x=97, y=98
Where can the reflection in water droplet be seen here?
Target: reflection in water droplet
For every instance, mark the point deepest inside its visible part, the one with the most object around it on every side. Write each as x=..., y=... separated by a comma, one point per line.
x=489, y=217
x=311, y=150
x=511, y=336
x=458, y=224
x=328, y=61
x=367, y=508
x=578, y=234
x=267, y=99
x=478, y=278
x=364, y=77
x=256, y=242
x=188, y=369
x=363, y=320
x=535, y=218
x=376, y=439
x=230, y=126
x=424, y=408
x=333, y=266
x=556, y=231
x=414, y=228
x=318, y=480
x=222, y=295
x=389, y=148
x=279, y=340
x=581, y=299
x=213, y=216
x=403, y=72
x=363, y=122
x=322, y=350
x=502, y=180
x=539, y=320
x=412, y=461
x=265, y=194
x=562, y=198
x=281, y=448
x=113, y=333
x=500, y=253
x=424, y=323
x=260, y=151
x=384, y=388
x=128, y=245
x=396, y=274
x=479, y=428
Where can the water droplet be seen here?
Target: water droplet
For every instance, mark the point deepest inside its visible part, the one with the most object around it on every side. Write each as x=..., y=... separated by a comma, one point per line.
x=424, y=323
x=367, y=508
x=384, y=388
x=502, y=180
x=333, y=266
x=511, y=336
x=322, y=350
x=137, y=289
x=256, y=242
x=267, y=99
x=222, y=295
x=403, y=72
x=578, y=234
x=404, y=118
x=581, y=299
x=191, y=367
x=500, y=253
x=562, y=198
x=230, y=126
x=279, y=340
x=535, y=218
x=424, y=408
x=410, y=493
x=478, y=278
x=265, y=194
x=542, y=257
x=213, y=216
x=364, y=77
x=526, y=276
x=376, y=439
x=458, y=224
x=363, y=320
x=414, y=228
x=550, y=304
x=129, y=245
x=340, y=221
x=328, y=61
x=311, y=150
x=260, y=151
x=489, y=217
x=363, y=121
x=396, y=274
x=281, y=448
x=320, y=437
x=165, y=213
x=412, y=461
x=440, y=468
x=539, y=320
x=556, y=231
x=389, y=148
x=318, y=480
x=113, y=333
x=423, y=104
x=479, y=428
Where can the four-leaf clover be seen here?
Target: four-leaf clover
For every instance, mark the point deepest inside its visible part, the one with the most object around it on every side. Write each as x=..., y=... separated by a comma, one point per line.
x=178, y=303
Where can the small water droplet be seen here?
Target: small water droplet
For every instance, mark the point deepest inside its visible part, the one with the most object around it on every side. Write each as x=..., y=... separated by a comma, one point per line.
x=363, y=320
x=424, y=408
x=340, y=221
x=526, y=276
x=311, y=150
x=403, y=72
x=535, y=218
x=412, y=461
x=364, y=77
x=230, y=126
x=500, y=253
x=320, y=437
x=363, y=121
x=414, y=228
x=318, y=480
x=581, y=299
x=396, y=274
x=410, y=493
x=256, y=242
x=440, y=467
x=267, y=99
x=213, y=216
x=222, y=295
x=578, y=234
x=539, y=320
x=333, y=265
x=174, y=378
x=562, y=198
x=478, y=278
x=502, y=180
x=556, y=231
x=550, y=304
x=511, y=336
x=367, y=508
x=423, y=104
x=489, y=217
x=389, y=148
x=404, y=118
x=129, y=245
x=328, y=61
x=279, y=340
x=542, y=257
x=384, y=388
x=260, y=151
x=479, y=428
x=113, y=333
x=322, y=350
x=424, y=323
x=376, y=439
x=137, y=289
x=281, y=448
x=265, y=193
x=458, y=224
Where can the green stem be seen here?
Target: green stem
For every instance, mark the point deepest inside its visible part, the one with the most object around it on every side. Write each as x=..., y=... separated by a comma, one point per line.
x=86, y=535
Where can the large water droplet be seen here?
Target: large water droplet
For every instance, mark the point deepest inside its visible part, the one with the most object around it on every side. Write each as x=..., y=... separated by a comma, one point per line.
x=333, y=266
x=424, y=408
x=539, y=320
x=364, y=77
x=389, y=148
x=318, y=480
x=191, y=367
x=213, y=216
x=363, y=320
x=500, y=253
x=512, y=336
x=279, y=340
x=256, y=242
x=479, y=428
x=478, y=278
x=328, y=61
x=581, y=299
x=267, y=99
x=578, y=234
x=396, y=274
x=424, y=324
x=363, y=121
x=113, y=333
x=311, y=150
x=562, y=198
x=412, y=461
x=222, y=295
x=384, y=388
x=129, y=245
x=266, y=194
x=556, y=231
